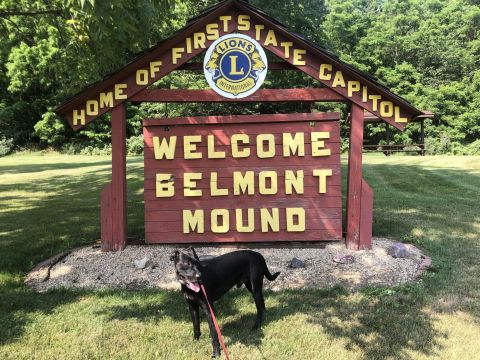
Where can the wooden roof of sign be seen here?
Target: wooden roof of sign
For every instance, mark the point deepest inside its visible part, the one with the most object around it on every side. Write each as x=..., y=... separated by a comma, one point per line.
x=236, y=16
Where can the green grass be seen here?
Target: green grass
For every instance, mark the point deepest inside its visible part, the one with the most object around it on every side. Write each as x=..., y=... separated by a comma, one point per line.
x=51, y=203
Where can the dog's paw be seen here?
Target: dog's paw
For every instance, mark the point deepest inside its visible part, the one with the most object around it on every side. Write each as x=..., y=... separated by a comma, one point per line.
x=196, y=336
x=216, y=353
x=256, y=326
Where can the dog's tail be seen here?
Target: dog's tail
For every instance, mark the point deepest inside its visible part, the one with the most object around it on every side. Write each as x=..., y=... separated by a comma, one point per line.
x=269, y=276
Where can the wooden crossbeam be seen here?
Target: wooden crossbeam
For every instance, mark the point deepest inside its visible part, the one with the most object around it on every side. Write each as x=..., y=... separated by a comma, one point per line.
x=262, y=95
x=197, y=66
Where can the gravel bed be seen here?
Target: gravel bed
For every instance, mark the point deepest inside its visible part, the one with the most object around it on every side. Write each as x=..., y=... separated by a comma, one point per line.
x=88, y=267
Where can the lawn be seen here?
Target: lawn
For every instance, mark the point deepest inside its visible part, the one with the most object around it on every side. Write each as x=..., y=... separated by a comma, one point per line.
x=49, y=203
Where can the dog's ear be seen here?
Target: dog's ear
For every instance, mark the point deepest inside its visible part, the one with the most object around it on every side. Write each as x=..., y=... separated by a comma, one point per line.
x=174, y=255
x=195, y=256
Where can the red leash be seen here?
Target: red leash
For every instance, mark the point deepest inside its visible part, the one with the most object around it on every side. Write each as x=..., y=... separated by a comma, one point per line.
x=215, y=323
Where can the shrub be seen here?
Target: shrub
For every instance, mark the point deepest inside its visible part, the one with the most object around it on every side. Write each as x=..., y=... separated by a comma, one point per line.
x=473, y=148
x=135, y=145
x=6, y=146
x=412, y=150
x=80, y=149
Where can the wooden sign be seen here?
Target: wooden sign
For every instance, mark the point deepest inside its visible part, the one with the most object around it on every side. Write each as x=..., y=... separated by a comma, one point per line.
x=243, y=178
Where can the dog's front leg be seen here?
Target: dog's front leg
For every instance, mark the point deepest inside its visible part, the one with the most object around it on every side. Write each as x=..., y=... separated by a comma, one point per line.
x=213, y=331
x=193, y=307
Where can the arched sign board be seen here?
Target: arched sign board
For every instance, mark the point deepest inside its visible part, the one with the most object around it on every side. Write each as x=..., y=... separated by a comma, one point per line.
x=238, y=77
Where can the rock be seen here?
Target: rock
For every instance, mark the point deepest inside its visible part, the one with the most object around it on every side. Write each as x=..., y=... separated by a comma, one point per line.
x=141, y=264
x=398, y=250
x=296, y=263
x=344, y=259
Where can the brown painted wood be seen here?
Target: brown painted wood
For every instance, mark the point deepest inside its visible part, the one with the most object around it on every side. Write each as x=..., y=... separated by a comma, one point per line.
x=171, y=215
x=106, y=228
x=366, y=219
x=315, y=57
x=244, y=119
x=159, y=216
x=198, y=66
x=261, y=95
x=176, y=238
x=354, y=181
x=119, y=180
x=161, y=52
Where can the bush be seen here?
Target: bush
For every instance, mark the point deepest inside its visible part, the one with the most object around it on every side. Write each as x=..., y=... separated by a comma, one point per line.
x=135, y=145
x=473, y=148
x=51, y=129
x=6, y=146
x=412, y=150
x=81, y=149
x=437, y=146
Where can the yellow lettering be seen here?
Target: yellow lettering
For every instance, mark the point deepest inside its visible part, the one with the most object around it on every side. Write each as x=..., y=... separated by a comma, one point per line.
x=141, y=77
x=243, y=184
x=338, y=80
x=193, y=220
x=78, y=116
x=244, y=139
x=364, y=94
x=225, y=19
x=214, y=190
x=119, y=91
x=106, y=99
x=212, y=31
x=190, y=146
x=262, y=182
x=243, y=22
x=176, y=54
x=375, y=99
x=270, y=140
x=298, y=57
x=398, y=117
x=293, y=181
x=199, y=40
x=286, y=46
x=270, y=220
x=322, y=74
x=386, y=109
x=164, y=185
x=270, y=39
x=233, y=66
x=258, y=30
x=250, y=221
x=219, y=227
x=154, y=68
x=92, y=107
x=190, y=184
x=188, y=43
x=211, y=153
x=293, y=145
x=352, y=86
x=291, y=214
x=164, y=149
x=318, y=145
x=322, y=179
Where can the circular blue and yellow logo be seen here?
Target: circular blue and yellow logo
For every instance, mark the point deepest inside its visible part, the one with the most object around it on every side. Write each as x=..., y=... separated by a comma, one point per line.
x=235, y=66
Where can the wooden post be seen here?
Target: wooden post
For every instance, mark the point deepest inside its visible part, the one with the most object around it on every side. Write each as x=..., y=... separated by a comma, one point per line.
x=387, y=134
x=422, y=136
x=114, y=196
x=354, y=182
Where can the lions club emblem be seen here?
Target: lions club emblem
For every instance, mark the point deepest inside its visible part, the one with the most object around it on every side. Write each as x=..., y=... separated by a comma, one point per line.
x=235, y=66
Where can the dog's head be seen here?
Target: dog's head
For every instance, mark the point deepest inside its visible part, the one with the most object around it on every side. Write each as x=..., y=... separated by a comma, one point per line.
x=187, y=268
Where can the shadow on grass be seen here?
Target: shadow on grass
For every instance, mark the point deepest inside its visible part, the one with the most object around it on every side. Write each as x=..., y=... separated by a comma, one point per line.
x=381, y=326
x=433, y=208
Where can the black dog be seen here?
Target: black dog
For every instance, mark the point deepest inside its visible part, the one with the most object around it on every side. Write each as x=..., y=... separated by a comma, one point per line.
x=218, y=275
